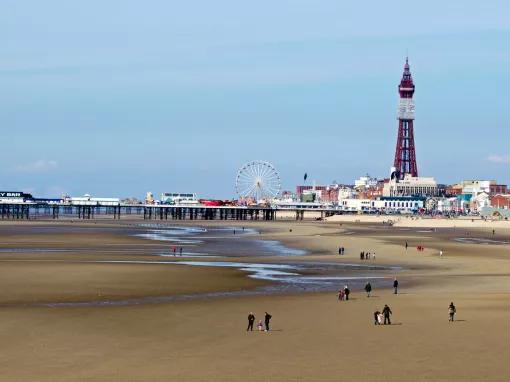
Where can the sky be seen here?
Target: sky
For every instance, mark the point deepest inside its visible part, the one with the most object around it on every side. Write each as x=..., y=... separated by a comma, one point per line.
x=117, y=98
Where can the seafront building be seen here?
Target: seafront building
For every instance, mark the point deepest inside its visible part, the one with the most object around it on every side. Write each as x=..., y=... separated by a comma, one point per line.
x=383, y=205
x=410, y=186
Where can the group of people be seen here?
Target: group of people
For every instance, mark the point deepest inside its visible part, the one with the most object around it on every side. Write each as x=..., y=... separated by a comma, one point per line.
x=383, y=318
x=366, y=255
x=341, y=251
x=343, y=294
x=260, y=327
x=174, y=249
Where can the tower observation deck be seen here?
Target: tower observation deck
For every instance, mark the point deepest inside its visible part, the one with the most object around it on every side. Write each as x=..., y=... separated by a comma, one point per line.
x=405, y=155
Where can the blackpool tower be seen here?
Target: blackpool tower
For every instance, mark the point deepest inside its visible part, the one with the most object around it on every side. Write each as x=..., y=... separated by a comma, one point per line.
x=405, y=156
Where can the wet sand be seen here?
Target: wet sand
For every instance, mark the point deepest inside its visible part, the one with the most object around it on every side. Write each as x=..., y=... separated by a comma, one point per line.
x=314, y=338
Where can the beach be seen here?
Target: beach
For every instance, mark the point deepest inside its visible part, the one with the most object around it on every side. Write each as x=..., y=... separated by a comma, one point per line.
x=85, y=301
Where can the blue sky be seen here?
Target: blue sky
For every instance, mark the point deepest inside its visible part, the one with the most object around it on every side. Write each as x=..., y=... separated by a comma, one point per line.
x=116, y=98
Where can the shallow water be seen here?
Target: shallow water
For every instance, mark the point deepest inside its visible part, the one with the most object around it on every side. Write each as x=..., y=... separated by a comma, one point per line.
x=276, y=247
x=475, y=240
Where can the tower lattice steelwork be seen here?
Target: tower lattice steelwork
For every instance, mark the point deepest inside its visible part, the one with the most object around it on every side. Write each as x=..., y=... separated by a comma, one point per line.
x=405, y=155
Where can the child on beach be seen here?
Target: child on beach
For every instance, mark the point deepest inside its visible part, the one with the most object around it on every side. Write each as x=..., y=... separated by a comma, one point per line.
x=341, y=295
x=376, y=317
x=260, y=327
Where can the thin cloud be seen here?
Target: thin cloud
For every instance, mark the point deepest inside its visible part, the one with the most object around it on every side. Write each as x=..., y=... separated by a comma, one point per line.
x=504, y=158
x=39, y=166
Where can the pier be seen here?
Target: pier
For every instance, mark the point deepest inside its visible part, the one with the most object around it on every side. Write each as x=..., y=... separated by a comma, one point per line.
x=34, y=211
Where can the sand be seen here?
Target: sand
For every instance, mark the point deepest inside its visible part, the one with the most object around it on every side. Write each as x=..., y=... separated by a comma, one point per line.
x=314, y=337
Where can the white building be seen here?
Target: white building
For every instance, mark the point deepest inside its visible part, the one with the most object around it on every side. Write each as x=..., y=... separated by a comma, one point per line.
x=411, y=186
x=480, y=201
x=346, y=193
x=88, y=200
x=182, y=199
x=384, y=205
x=476, y=186
x=365, y=182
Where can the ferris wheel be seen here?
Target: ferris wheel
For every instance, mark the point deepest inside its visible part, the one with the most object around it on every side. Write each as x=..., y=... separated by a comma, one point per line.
x=258, y=180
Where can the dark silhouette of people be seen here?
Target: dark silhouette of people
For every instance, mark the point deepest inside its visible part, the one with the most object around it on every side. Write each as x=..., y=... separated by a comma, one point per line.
x=267, y=318
x=395, y=286
x=376, y=317
x=347, y=292
x=180, y=251
x=451, y=312
x=406, y=245
x=368, y=289
x=251, y=320
x=387, y=312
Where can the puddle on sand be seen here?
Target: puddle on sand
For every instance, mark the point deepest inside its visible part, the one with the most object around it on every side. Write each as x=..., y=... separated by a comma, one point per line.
x=276, y=247
x=475, y=240
x=188, y=254
x=189, y=235
x=292, y=274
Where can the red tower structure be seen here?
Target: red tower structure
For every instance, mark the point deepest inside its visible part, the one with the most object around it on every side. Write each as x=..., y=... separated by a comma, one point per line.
x=405, y=155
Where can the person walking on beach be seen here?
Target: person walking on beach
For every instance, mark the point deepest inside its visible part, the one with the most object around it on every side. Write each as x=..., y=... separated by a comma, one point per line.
x=441, y=253
x=251, y=320
x=260, y=327
x=368, y=289
x=346, y=293
x=267, y=318
x=180, y=251
x=341, y=295
x=339, y=251
x=451, y=312
x=387, y=312
x=395, y=286
x=406, y=245
x=174, y=249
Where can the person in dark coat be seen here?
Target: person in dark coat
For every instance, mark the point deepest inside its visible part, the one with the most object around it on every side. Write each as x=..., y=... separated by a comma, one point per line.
x=267, y=318
x=387, y=312
x=395, y=285
x=251, y=320
x=451, y=312
x=368, y=289
x=347, y=291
